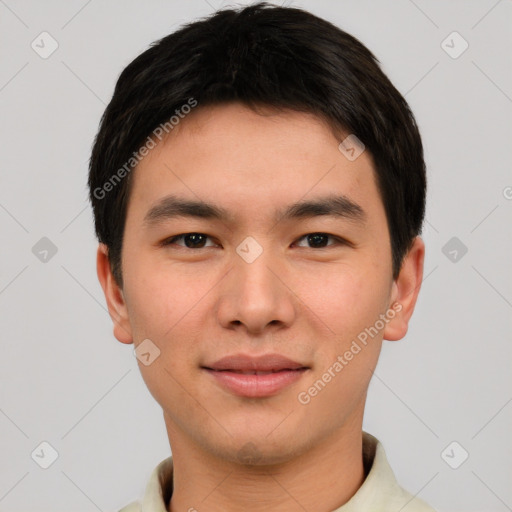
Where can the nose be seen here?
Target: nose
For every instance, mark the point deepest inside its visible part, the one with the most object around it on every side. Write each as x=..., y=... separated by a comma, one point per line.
x=255, y=295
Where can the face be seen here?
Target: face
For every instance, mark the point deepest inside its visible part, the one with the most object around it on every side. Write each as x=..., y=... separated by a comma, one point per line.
x=262, y=279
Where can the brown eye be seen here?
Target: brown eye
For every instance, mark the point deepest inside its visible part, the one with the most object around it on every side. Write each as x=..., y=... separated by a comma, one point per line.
x=191, y=240
x=320, y=240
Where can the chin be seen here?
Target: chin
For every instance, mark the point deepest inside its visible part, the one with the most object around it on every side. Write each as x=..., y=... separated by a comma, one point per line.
x=259, y=449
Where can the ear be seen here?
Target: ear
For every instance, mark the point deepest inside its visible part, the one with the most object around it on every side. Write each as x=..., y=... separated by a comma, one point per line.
x=405, y=291
x=114, y=297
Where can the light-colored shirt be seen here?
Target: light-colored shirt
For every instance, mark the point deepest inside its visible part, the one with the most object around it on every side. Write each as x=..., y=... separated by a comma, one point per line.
x=380, y=492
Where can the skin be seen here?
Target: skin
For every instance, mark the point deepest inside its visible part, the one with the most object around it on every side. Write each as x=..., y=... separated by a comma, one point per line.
x=200, y=304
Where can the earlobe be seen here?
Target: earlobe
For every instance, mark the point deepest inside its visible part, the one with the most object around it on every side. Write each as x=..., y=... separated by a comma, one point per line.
x=405, y=291
x=114, y=296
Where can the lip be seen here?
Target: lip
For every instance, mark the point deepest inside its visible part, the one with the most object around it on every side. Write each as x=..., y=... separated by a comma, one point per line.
x=264, y=363
x=256, y=386
x=280, y=372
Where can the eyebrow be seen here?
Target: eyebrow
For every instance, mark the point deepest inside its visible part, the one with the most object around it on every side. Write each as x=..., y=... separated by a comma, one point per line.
x=172, y=206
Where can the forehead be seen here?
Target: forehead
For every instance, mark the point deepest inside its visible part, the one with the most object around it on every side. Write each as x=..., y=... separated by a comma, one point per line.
x=251, y=163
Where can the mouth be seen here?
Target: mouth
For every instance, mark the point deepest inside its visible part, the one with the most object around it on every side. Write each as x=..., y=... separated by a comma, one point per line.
x=255, y=377
x=257, y=372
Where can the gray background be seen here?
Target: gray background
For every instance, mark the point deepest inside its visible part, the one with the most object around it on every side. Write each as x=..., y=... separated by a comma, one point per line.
x=67, y=381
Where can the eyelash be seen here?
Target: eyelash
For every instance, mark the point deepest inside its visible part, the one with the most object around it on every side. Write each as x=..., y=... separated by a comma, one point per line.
x=339, y=241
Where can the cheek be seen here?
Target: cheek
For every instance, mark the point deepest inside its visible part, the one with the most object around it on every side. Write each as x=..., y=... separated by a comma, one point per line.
x=165, y=302
x=344, y=298
x=349, y=306
x=161, y=309
x=151, y=301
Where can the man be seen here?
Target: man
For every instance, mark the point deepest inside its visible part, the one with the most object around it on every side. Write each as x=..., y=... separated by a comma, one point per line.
x=258, y=188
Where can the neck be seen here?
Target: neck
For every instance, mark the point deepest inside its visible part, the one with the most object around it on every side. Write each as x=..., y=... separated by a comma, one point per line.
x=322, y=478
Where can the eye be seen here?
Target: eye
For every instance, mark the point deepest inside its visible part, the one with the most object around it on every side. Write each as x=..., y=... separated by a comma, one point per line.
x=191, y=240
x=318, y=240
x=198, y=240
